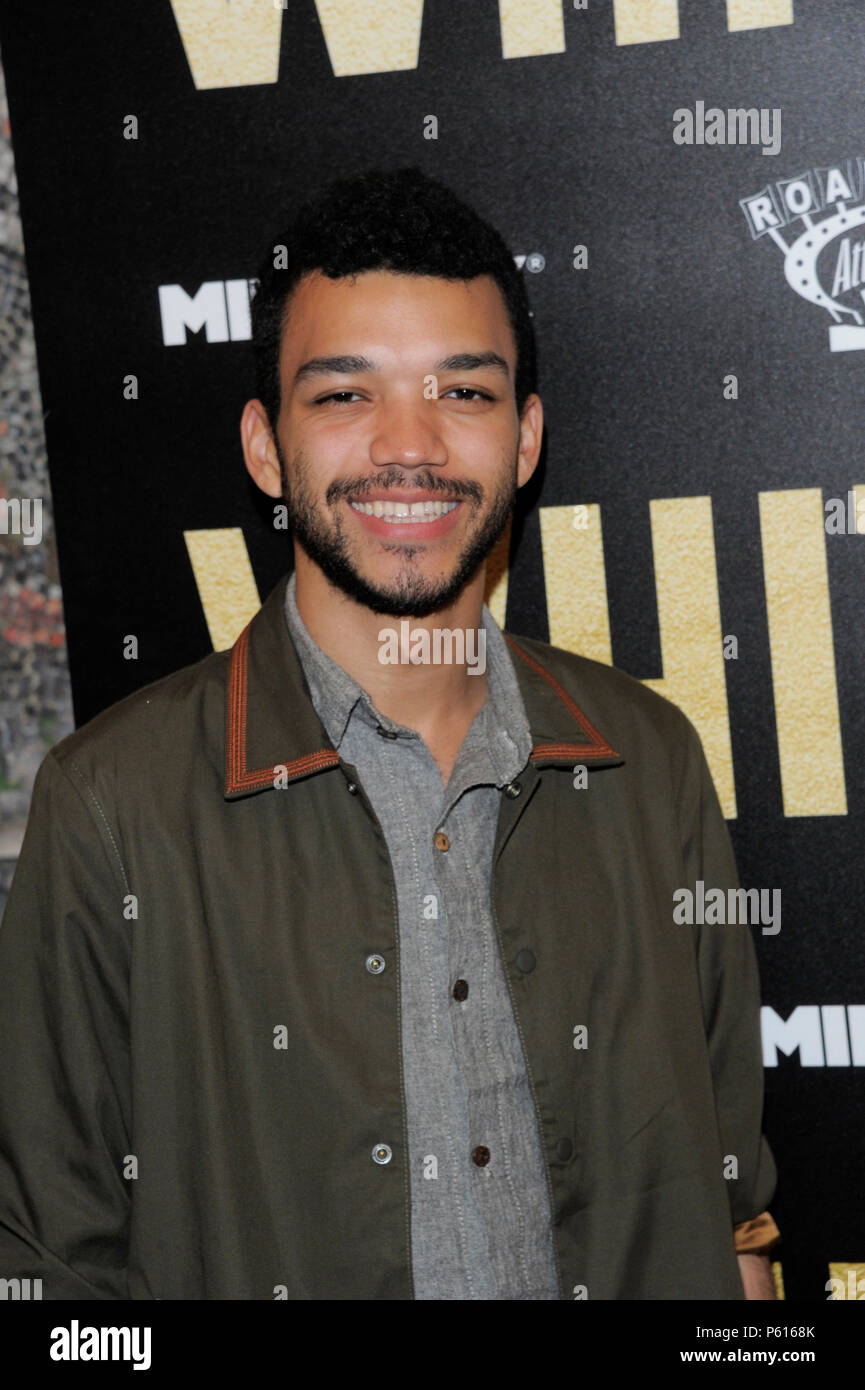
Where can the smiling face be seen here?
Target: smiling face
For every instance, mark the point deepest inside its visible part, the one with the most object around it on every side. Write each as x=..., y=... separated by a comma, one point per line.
x=398, y=439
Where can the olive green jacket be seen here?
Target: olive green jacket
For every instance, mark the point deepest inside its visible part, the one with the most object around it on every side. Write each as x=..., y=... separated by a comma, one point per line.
x=195, y=1065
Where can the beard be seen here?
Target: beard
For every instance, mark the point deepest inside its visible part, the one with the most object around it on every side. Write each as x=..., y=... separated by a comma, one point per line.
x=410, y=594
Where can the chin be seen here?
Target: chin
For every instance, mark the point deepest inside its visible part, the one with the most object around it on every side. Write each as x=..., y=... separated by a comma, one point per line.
x=395, y=603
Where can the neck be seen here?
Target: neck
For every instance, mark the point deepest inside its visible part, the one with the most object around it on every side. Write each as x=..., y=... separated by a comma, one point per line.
x=436, y=699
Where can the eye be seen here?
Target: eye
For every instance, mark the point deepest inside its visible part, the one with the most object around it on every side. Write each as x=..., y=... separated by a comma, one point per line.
x=471, y=391
x=334, y=396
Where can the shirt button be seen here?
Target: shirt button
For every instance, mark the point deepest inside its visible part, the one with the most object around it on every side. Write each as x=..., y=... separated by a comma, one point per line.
x=441, y=841
x=564, y=1149
x=461, y=990
x=526, y=961
x=382, y=1153
x=481, y=1156
x=375, y=964
x=352, y=787
x=513, y=789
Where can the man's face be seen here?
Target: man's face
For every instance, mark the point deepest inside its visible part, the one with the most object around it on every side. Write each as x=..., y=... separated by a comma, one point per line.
x=398, y=436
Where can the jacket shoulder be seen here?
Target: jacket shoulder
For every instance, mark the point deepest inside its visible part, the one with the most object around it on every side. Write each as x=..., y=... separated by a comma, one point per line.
x=152, y=720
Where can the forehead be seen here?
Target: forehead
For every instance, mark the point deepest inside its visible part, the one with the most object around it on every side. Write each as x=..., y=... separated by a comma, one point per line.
x=414, y=317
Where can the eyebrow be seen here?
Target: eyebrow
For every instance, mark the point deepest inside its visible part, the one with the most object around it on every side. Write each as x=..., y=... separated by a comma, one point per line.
x=457, y=362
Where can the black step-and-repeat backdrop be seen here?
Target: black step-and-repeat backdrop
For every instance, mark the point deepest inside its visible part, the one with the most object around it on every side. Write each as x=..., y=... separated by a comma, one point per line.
x=683, y=184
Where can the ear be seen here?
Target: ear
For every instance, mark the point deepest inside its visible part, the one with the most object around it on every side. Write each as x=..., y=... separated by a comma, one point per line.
x=531, y=438
x=259, y=450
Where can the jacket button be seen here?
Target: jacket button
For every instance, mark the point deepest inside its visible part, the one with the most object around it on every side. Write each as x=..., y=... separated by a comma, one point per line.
x=441, y=841
x=461, y=990
x=513, y=789
x=481, y=1156
x=382, y=1153
x=525, y=961
x=375, y=964
x=564, y=1149
x=352, y=787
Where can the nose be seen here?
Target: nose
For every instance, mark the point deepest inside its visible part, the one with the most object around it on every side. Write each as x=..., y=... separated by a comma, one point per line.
x=406, y=434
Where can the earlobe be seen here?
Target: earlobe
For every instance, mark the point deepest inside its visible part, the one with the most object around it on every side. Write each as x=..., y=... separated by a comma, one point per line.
x=259, y=452
x=531, y=438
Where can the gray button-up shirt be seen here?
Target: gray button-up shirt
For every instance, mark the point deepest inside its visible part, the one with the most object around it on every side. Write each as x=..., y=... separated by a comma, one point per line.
x=477, y=1230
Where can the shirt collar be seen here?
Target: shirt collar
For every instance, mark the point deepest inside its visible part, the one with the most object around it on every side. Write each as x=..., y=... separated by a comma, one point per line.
x=274, y=735
x=337, y=696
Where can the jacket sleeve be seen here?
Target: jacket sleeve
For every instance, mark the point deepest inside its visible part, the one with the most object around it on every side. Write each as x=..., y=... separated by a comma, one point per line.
x=64, y=1049
x=730, y=992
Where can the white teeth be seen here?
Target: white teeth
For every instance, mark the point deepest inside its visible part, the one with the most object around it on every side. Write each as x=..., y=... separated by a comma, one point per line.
x=403, y=511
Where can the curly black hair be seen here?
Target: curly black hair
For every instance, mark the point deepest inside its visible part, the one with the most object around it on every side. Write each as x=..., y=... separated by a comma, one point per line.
x=399, y=220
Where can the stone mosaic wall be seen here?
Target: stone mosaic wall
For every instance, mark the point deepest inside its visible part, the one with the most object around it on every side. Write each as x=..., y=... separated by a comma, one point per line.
x=35, y=699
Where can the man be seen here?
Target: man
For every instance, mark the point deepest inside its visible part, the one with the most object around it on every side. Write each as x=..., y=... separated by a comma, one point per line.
x=333, y=972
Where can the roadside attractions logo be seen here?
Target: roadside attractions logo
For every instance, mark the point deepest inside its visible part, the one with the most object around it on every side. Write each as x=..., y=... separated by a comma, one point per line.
x=815, y=220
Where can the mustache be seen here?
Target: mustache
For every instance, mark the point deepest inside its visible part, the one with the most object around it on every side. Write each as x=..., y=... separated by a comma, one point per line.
x=393, y=479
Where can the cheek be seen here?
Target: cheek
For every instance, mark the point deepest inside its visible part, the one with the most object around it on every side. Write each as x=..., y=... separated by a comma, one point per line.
x=487, y=455
x=331, y=450
x=501, y=473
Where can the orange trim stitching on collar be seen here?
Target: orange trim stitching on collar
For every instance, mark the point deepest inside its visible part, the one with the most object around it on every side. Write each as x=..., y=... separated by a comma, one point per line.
x=598, y=745
x=238, y=775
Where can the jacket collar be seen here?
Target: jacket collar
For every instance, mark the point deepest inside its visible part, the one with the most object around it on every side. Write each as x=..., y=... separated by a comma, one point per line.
x=273, y=734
